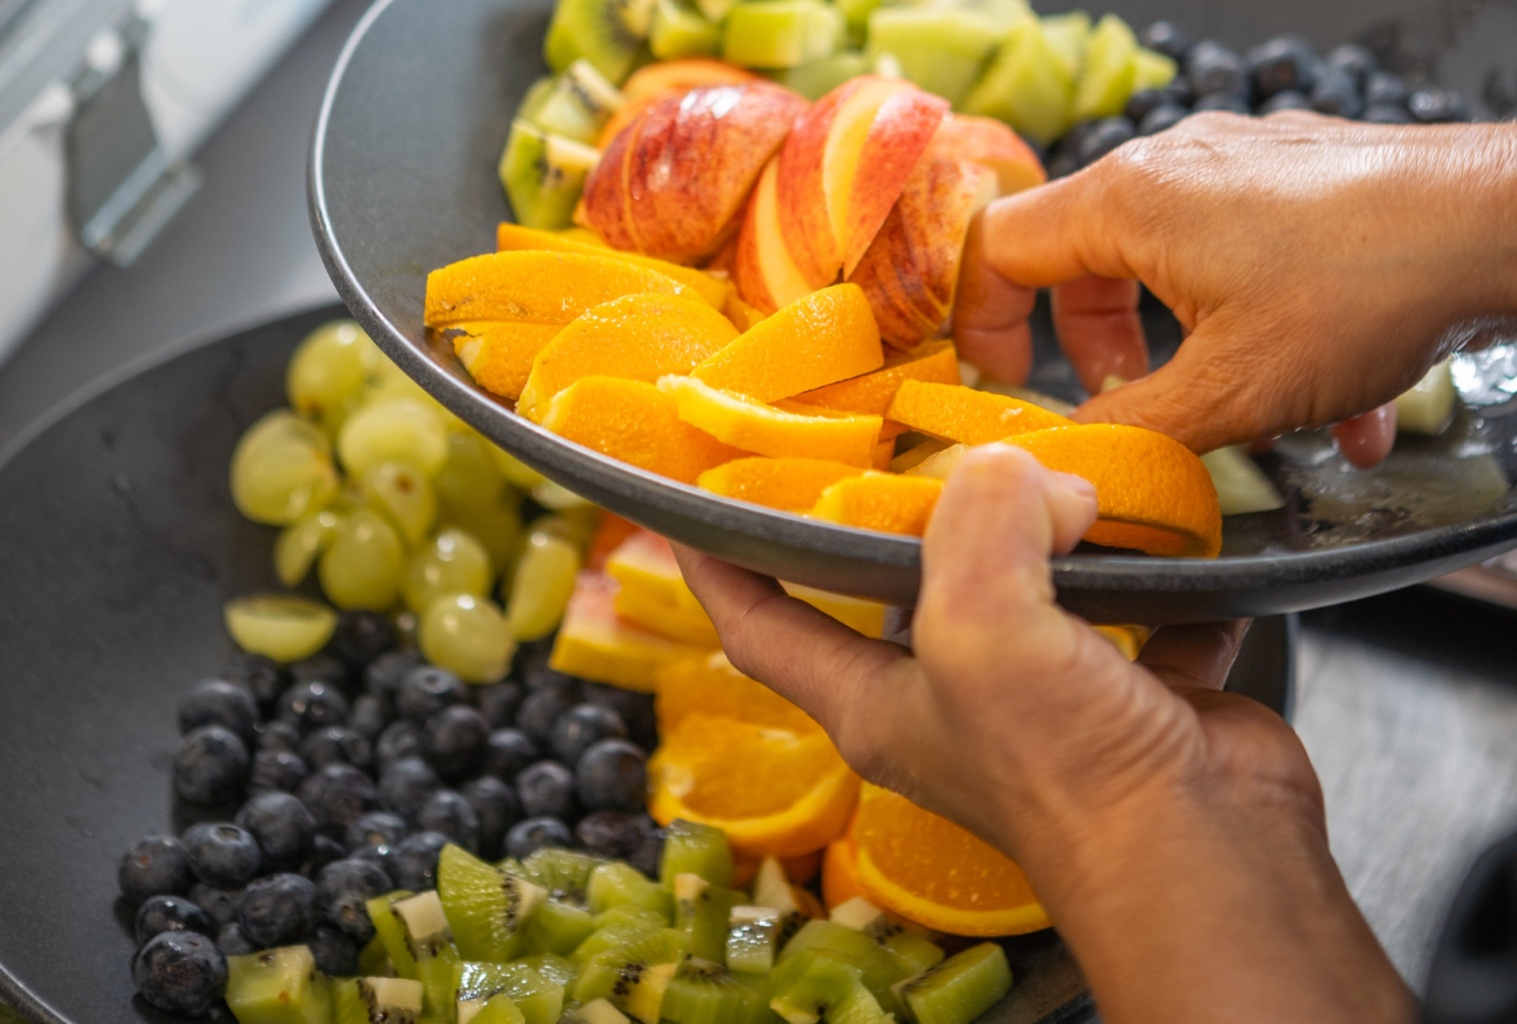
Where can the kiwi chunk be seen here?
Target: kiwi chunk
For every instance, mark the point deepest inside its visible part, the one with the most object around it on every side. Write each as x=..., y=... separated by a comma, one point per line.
x=942, y=49
x=691, y=848
x=617, y=884
x=495, y=1010
x=596, y=1011
x=391, y=934
x=429, y=940
x=1154, y=70
x=613, y=936
x=753, y=939
x=633, y=977
x=680, y=30
x=818, y=78
x=536, y=96
x=702, y=911
x=1110, y=70
x=552, y=967
x=578, y=103
x=781, y=33
x=376, y=1001
x=487, y=909
x=563, y=873
x=277, y=986
x=1027, y=86
x=959, y=989
x=607, y=33
x=1069, y=35
x=543, y=175
x=702, y=992
x=374, y=960
x=558, y=927
x=810, y=988
x=539, y=999
x=916, y=951
x=877, y=968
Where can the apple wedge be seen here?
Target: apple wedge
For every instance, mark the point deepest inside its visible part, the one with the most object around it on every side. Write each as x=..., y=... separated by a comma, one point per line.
x=911, y=270
x=763, y=269
x=989, y=143
x=843, y=166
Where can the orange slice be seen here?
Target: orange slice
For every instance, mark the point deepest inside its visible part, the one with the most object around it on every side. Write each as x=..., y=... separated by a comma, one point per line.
x=1127, y=639
x=774, y=792
x=824, y=337
x=884, y=455
x=742, y=315
x=709, y=685
x=636, y=337
x=790, y=484
x=646, y=562
x=513, y=237
x=498, y=354
x=881, y=501
x=840, y=873
x=789, y=431
x=956, y=413
x=594, y=644
x=675, y=622
x=930, y=871
x=934, y=362
x=637, y=423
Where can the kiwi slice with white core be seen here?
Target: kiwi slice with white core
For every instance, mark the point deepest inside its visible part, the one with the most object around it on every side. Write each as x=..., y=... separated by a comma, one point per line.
x=1110, y=70
x=781, y=33
x=536, y=96
x=487, y=908
x=915, y=951
x=633, y=977
x=425, y=923
x=702, y=910
x=564, y=874
x=376, y=1001
x=959, y=989
x=772, y=889
x=942, y=49
x=613, y=936
x=753, y=939
x=703, y=992
x=543, y=175
x=277, y=986
x=681, y=30
x=579, y=102
x=596, y=1011
x=392, y=934
x=615, y=884
x=540, y=1000
x=607, y=33
x=1027, y=86
x=691, y=848
x=878, y=968
x=812, y=989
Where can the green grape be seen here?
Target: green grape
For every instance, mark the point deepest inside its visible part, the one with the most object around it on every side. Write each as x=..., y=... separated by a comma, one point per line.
x=468, y=479
x=279, y=626
x=282, y=470
x=390, y=381
x=393, y=430
x=363, y=566
x=454, y=563
x=553, y=496
x=403, y=496
x=517, y=473
x=328, y=372
x=467, y=636
x=543, y=582
x=496, y=527
x=299, y=544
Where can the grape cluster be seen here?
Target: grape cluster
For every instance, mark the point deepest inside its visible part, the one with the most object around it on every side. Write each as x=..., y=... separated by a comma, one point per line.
x=341, y=778
x=1283, y=73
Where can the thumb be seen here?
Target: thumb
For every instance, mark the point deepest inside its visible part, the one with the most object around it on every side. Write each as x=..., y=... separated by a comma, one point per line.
x=1060, y=232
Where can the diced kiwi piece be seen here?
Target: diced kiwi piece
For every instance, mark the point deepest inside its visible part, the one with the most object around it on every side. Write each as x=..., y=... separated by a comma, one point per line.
x=1154, y=70
x=702, y=992
x=536, y=96
x=429, y=939
x=942, y=49
x=565, y=874
x=539, y=999
x=376, y=1001
x=877, y=967
x=695, y=849
x=1110, y=70
x=611, y=937
x=558, y=927
x=552, y=967
x=277, y=986
x=596, y=1011
x=772, y=888
x=716, y=11
x=374, y=960
x=578, y=103
x=615, y=883
x=702, y=910
x=630, y=914
x=960, y=988
x=681, y=30
x=1069, y=35
x=856, y=15
x=1026, y=86
x=486, y=908
x=915, y=951
x=543, y=175
x=495, y=1010
x=392, y=934
x=753, y=939
x=809, y=987
x=607, y=33
x=633, y=977
x=781, y=33
x=818, y=78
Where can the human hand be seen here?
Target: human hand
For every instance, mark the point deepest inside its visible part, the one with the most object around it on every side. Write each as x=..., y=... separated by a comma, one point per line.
x=1318, y=268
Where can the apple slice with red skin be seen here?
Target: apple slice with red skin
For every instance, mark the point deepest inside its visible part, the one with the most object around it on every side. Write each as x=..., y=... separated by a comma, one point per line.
x=763, y=270
x=989, y=143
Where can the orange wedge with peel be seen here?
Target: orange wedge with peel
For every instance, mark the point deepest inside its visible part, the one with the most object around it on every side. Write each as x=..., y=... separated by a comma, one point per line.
x=781, y=431
x=840, y=873
x=593, y=643
x=775, y=792
x=742, y=315
x=932, y=872
x=511, y=237
x=637, y=423
x=636, y=337
x=709, y=685
x=934, y=362
x=793, y=485
x=966, y=416
x=824, y=337
x=498, y=353
x=881, y=501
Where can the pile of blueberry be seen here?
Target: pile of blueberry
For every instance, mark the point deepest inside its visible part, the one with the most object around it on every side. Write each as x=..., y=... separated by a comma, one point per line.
x=1284, y=73
x=341, y=778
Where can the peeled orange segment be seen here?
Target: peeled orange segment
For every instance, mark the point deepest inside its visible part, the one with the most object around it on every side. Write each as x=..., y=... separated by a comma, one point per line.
x=594, y=644
x=934, y=362
x=930, y=871
x=884, y=454
x=537, y=287
x=744, y=423
x=881, y=501
x=774, y=792
x=709, y=685
x=840, y=873
x=793, y=485
x=671, y=621
x=956, y=413
x=636, y=337
x=513, y=238
x=637, y=423
x=498, y=354
x=819, y=339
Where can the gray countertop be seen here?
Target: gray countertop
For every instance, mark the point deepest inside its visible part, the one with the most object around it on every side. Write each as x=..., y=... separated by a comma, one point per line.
x=1405, y=701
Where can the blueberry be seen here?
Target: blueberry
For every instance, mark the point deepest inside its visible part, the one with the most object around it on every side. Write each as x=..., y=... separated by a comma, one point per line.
x=1141, y=104
x=313, y=704
x=429, y=689
x=232, y=942
x=378, y=854
x=400, y=740
x=369, y=715
x=539, y=676
x=1105, y=136
x=278, y=910
x=343, y=890
x=650, y=855
x=546, y=789
x=448, y=812
x=533, y=834
x=1354, y=59
x=507, y=752
x=1337, y=93
x=334, y=953
x=171, y=914
x=324, y=850
x=220, y=905
x=1212, y=68
x=614, y=834
x=406, y=785
x=1285, y=63
x=540, y=710
x=385, y=673
x=611, y=776
x=336, y=795
x=361, y=637
x=218, y=702
x=1437, y=106
x=1386, y=114
x=413, y=864
x=380, y=827
x=222, y=854
x=496, y=807
x=283, y=827
x=1288, y=100
x=635, y=709
x=279, y=735
x=180, y=972
x=1228, y=102
x=264, y=678
x=277, y=771
x=155, y=866
x=1063, y=164
x=1383, y=89
x=453, y=741
x=323, y=668
x=1162, y=119
x=1169, y=39
x=336, y=744
x=212, y=766
x=581, y=726
x=498, y=703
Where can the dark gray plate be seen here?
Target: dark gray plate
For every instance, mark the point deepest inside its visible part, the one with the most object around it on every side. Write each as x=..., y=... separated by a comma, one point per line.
x=402, y=180
x=118, y=546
